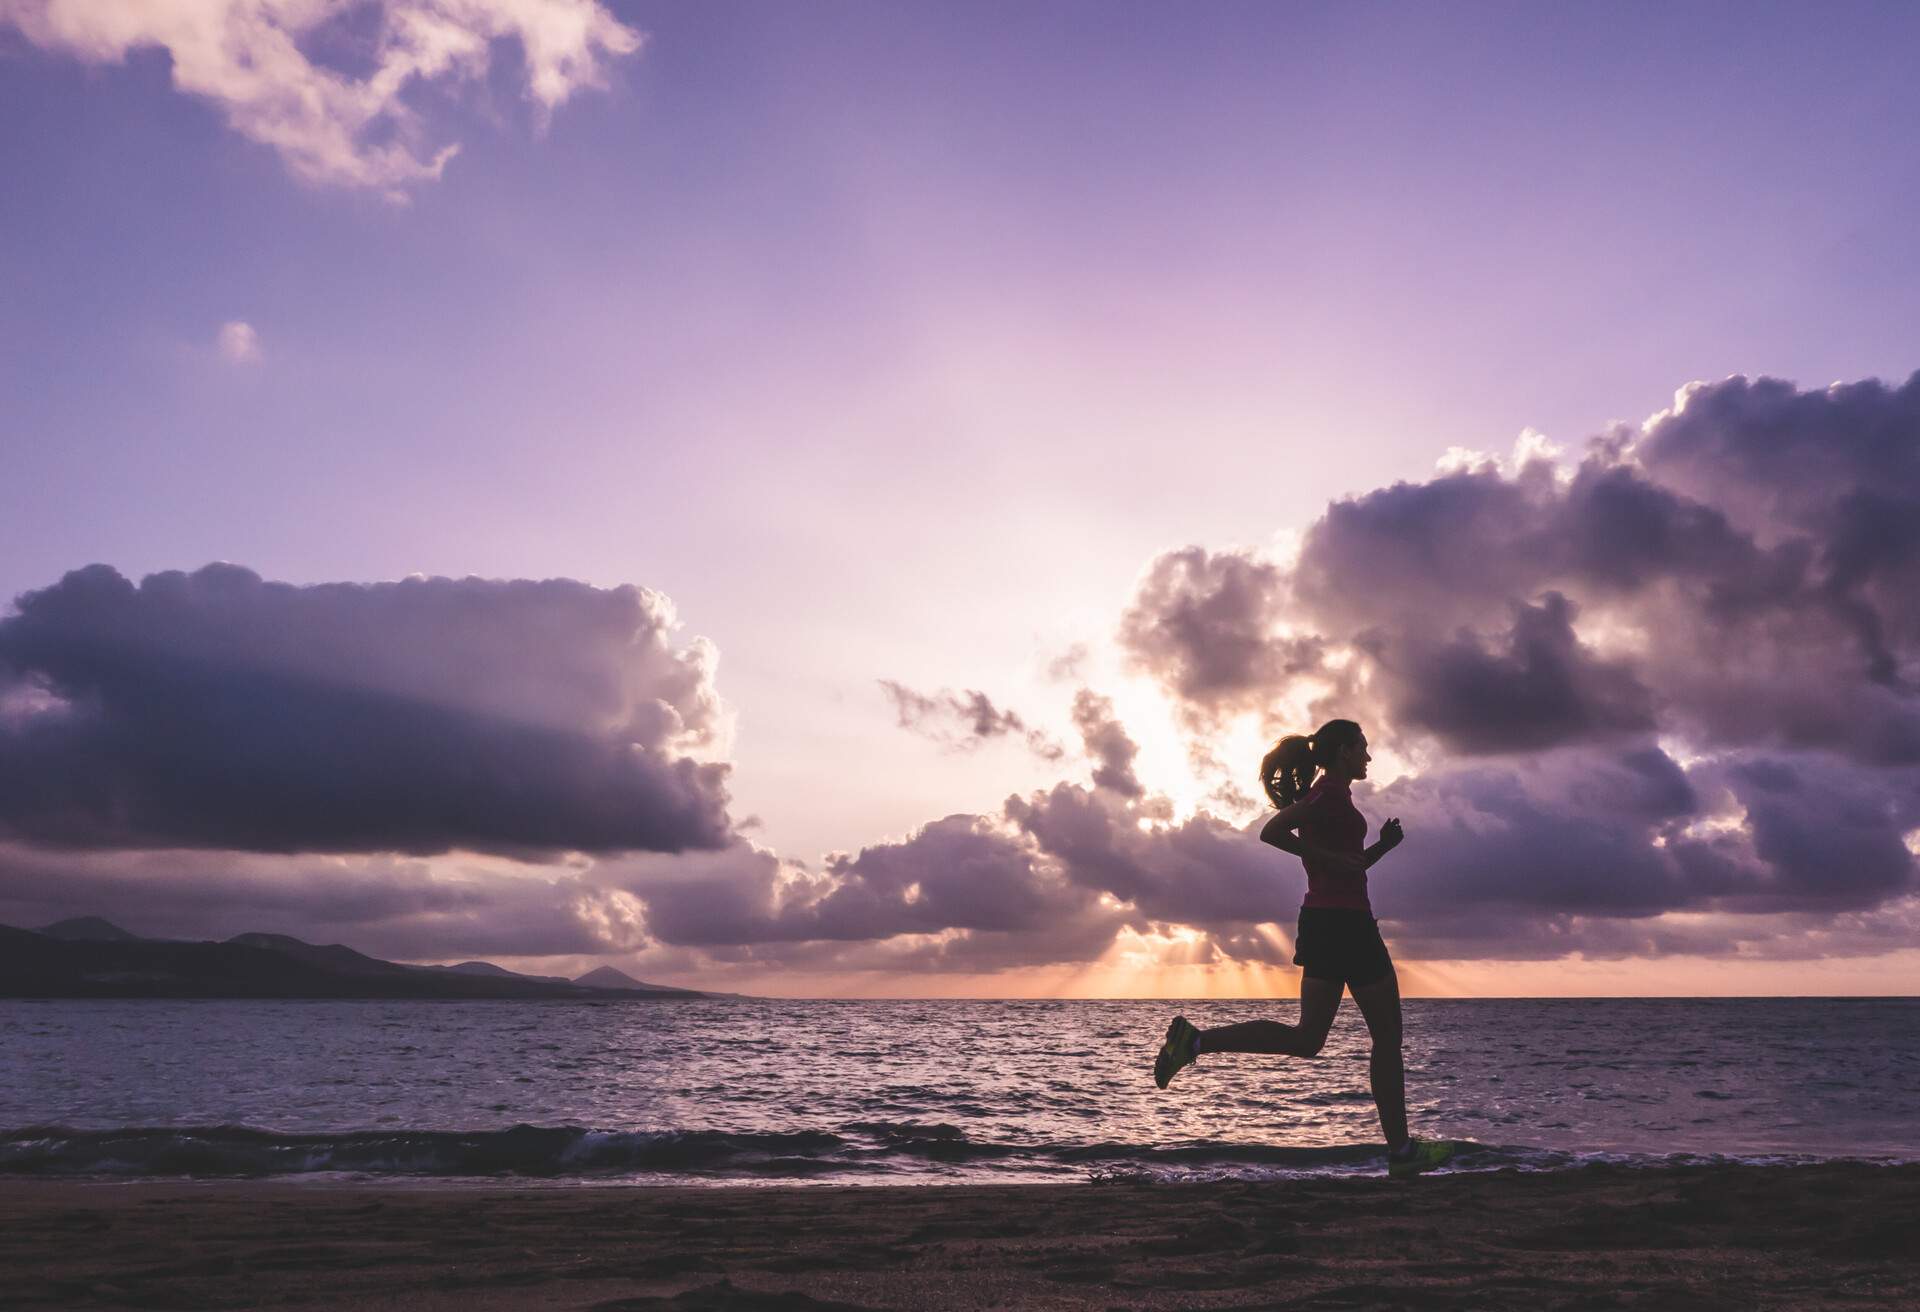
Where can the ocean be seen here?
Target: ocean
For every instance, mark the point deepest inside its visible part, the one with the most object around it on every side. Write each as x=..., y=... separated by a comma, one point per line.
x=733, y=1092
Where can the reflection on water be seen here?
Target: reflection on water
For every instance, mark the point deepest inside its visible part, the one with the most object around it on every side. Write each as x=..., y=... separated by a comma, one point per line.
x=946, y=1089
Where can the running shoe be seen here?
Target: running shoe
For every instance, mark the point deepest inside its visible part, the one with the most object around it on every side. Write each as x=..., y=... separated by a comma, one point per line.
x=1176, y=1052
x=1421, y=1155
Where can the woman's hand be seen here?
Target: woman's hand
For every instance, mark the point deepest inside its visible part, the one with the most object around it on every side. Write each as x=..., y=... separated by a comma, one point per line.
x=1390, y=838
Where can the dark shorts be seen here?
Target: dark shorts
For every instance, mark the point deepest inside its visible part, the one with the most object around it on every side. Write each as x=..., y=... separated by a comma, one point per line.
x=1344, y=946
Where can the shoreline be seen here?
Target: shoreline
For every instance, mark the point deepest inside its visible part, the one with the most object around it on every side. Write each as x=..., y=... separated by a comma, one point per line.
x=1659, y=1237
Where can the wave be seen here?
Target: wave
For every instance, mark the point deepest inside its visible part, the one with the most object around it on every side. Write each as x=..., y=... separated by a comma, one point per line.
x=234, y=1150
x=873, y=1150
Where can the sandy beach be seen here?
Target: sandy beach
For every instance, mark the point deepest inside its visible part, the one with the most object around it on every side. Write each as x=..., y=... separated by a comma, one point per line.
x=1709, y=1237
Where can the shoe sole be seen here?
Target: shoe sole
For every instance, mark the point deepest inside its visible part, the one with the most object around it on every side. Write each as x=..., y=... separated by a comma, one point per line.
x=1407, y=1170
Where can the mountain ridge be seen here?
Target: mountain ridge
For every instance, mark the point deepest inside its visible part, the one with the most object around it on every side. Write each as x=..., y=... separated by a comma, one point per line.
x=90, y=928
x=260, y=965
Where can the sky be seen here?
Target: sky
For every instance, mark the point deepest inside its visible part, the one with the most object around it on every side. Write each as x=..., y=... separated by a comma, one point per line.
x=835, y=500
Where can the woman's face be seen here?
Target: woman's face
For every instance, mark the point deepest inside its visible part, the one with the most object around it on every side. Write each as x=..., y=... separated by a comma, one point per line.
x=1353, y=758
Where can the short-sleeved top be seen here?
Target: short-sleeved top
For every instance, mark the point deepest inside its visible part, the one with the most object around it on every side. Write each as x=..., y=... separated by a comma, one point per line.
x=1333, y=822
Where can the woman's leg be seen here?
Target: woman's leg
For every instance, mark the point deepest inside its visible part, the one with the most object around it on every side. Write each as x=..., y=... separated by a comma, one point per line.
x=1380, y=1004
x=1319, y=1000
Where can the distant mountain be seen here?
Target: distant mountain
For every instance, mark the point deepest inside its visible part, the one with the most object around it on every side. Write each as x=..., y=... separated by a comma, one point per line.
x=89, y=928
x=335, y=957
x=496, y=972
x=606, y=977
x=258, y=966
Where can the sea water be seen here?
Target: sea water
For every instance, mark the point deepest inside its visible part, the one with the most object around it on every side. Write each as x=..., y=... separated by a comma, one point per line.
x=731, y=1091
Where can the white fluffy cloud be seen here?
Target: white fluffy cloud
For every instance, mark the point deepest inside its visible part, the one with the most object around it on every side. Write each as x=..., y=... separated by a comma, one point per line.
x=324, y=82
x=239, y=342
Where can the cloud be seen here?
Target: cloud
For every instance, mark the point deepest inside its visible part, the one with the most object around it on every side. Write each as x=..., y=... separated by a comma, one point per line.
x=1742, y=572
x=1739, y=577
x=1538, y=686
x=1778, y=459
x=962, y=872
x=964, y=720
x=1835, y=472
x=966, y=892
x=397, y=907
x=1204, y=872
x=1066, y=667
x=1571, y=850
x=238, y=342
x=1577, y=849
x=1107, y=743
x=1638, y=710
x=1202, y=623
x=218, y=710
x=328, y=86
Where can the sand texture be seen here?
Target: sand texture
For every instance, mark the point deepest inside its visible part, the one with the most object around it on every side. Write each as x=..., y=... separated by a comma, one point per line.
x=1714, y=1237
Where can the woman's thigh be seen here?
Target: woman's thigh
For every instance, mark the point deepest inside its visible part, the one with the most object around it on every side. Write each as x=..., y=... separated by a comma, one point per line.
x=1319, y=1001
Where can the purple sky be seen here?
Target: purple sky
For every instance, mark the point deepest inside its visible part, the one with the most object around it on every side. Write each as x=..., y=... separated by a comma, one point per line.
x=1032, y=411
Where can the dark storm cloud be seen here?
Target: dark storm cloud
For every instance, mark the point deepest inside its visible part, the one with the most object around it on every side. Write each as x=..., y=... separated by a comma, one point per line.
x=1539, y=686
x=1820, y=833
x=1837, y=469
x=1532, y=858
x=218, y=710
x=1776, y=457
x=1506, y=848
x=964, y=720
x=1202, y=623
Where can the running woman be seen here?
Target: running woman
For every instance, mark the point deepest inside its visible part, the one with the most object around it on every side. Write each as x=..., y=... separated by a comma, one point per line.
x=1338, y=945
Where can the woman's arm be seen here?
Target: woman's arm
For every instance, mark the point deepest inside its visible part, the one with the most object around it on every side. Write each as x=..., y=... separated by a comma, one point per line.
x=1279, y=832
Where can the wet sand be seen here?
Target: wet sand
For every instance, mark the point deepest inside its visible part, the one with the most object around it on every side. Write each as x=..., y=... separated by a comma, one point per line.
x=1681, y=1238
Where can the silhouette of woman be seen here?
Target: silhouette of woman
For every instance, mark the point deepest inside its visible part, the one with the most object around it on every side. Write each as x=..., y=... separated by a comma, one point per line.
x=1338, y=945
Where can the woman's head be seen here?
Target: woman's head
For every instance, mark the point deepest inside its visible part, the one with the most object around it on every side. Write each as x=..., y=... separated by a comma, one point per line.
x=1337, y=747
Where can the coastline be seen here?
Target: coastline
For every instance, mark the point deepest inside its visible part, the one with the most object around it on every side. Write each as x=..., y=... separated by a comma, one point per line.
x=1720, y=1236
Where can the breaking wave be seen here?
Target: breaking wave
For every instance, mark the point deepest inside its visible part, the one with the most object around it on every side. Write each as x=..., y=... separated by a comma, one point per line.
x=876, y=1151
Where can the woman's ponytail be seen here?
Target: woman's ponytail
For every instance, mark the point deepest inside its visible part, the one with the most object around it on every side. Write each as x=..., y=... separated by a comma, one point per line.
x=1287, y=770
